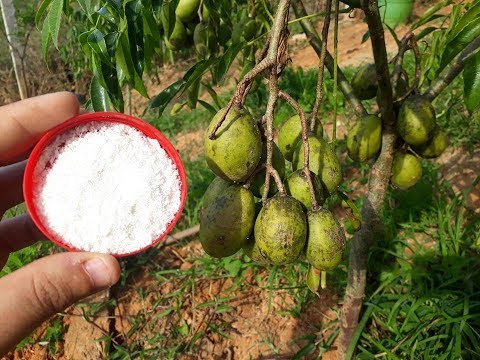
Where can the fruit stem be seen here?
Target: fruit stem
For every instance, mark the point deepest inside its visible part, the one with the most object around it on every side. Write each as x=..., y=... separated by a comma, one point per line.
x=306, y=146
x=323, y=280
x=321, y=66
x=335, y=73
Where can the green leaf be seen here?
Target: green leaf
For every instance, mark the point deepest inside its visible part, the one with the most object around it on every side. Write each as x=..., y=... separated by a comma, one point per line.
x=161, y=101
x=226, y=61
x=471, y=79
x=46, y=38
x=41, y=10
x=96, y=40
x=99, y=96
x=193, y=92
x=86, y=6
x=207, y=106
x=313, y=279
x=168, y=17
x=107, y=15
x=124, y=61
x=426, y=31
x=365, y=36
x=233, y=267
x=213, y=94
x=430, y=14
x=459, y=42
x=473, y=14
x=54, y=18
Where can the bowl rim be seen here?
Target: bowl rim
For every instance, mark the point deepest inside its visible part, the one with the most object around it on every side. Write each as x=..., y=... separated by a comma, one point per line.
x=113, y=117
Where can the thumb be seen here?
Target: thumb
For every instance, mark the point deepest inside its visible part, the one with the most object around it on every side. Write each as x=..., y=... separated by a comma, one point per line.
x=34, y=293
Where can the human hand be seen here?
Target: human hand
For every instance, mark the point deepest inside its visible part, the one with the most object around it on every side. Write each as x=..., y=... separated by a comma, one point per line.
x=32, y=294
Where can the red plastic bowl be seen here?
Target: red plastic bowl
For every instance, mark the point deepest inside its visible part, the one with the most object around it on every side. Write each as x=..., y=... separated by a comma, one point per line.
x=29, y=183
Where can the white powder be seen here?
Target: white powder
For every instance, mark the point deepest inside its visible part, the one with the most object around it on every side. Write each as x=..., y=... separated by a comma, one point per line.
x=106, y=187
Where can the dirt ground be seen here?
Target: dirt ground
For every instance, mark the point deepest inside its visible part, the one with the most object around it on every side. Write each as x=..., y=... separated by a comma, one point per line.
x=259, y=327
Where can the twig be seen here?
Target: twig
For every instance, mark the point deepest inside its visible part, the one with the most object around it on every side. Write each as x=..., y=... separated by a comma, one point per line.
x=455, y=69
x=418, y=63
x=306, y=146
x=170, y=239
x=316, y=43
x=398, y=62
x=335, y=74
x=377, y=187
x=321, y=65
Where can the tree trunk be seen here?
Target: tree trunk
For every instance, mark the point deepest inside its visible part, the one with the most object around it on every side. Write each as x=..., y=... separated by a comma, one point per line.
x=16, y=49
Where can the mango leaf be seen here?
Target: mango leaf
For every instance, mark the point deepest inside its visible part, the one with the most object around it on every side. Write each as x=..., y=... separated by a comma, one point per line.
x=86, y=6
x=459, y=42
x=54, y=18
x=473, y=14
x=96, y=40
x=430, y=14
x=365, y=36
x=46, y=38
x=226, y=61
x=99, y=96
x=41, y=10
x=168, y=17
x=193, y=92
x=161, y=101
x=124, y=61
x=426, y=31
x=107, y=14
x=471, y=79
x=213, y=94
x=207, y=106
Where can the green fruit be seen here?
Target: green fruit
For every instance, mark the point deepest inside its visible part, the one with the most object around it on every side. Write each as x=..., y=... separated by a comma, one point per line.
x=187, y=9
x=406, y=170
x=323, y=161
x=178, y=37
x=281, y=229
x=326, y=240
x=290, y=134
x=365, y=82
x=204, y=39
x=216, y=187
x=236, y=150
x=250, y=29
x=416, y=120
x=252, y=250
x=365, y=138
x=258, y=182
x=435, y=146
x=297, y=186
x=227, y=217
x=205, y=13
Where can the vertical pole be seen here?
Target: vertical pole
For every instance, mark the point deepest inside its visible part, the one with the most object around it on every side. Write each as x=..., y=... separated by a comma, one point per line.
x=10, y=23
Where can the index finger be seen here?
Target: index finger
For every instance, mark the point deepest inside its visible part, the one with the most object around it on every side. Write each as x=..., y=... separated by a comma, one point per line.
x=24, y=122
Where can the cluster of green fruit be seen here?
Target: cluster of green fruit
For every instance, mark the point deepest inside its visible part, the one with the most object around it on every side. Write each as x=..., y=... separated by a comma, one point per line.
x=199, y=27
x=416, y=126
x=286, y=228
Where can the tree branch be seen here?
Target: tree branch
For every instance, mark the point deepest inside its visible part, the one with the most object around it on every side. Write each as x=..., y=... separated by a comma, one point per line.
x=455, y=69
x=316, y=44
x=321, y=66
x=377, y=187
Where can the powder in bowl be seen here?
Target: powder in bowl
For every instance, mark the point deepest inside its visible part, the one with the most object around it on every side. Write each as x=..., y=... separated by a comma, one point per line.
x=106, y=187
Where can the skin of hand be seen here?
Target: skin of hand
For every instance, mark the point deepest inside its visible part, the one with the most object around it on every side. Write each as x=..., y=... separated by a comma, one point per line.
x=33, y=294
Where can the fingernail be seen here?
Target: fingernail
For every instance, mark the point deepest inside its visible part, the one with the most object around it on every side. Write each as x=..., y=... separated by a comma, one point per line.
x=99, y=272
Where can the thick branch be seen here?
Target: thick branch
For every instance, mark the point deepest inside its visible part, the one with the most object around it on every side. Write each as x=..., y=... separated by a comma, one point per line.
x=455, y=69
x=377, y=187
x=316, y=43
